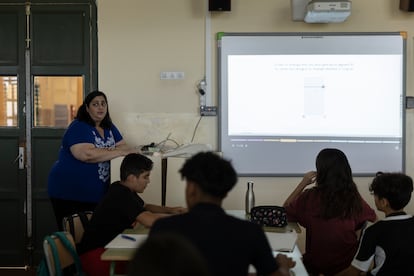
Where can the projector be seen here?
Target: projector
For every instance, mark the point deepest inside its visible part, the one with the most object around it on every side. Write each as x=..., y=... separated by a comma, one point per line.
x=321, y=11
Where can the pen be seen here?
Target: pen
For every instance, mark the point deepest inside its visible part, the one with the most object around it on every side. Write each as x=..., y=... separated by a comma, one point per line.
x=128, y=237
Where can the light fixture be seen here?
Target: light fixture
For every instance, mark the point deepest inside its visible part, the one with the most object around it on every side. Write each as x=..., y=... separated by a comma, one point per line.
x=320, y=11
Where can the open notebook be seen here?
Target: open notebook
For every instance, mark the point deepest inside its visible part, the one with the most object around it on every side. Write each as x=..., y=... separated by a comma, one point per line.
x=283, y=242
x=127, y=241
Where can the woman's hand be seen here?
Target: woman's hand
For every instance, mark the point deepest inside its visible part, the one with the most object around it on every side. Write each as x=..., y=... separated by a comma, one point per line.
x=125, y=149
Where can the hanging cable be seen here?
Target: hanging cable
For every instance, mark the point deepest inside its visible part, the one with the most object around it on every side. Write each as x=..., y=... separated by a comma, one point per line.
x=195, y=129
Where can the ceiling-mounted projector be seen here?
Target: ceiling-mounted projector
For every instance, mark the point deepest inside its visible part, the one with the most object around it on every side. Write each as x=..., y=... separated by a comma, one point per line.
x=325, y=11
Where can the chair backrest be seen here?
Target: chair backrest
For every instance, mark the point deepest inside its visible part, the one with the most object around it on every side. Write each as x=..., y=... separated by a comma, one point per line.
x=76, y=223
x=62, y=246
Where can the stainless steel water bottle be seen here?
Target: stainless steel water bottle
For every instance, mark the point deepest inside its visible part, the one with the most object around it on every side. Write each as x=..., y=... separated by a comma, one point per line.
x=249, y=197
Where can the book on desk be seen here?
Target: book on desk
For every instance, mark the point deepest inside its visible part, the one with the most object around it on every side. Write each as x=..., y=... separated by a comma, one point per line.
x=282, y=242
x=127, y=241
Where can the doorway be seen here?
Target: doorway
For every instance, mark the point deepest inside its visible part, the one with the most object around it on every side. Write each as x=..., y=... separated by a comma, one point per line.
x=48, y=61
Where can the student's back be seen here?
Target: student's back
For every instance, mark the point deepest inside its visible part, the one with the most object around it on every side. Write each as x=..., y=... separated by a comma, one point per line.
x=332, y=212
x=330, y=243
x=386, y=246
x=229, y=244
x=393, y=239
x=167, y=254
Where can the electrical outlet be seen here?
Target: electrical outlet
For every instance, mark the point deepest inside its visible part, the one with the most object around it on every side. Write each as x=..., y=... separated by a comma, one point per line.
x=169, y=75
x=208, y=110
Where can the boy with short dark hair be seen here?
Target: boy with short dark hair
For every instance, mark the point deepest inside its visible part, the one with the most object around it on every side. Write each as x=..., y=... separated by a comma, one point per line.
x=228, y=244
x=387, y=243
x=121, y=208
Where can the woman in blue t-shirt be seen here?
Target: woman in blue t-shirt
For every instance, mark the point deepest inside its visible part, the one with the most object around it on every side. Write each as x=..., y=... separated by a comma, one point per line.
x=80, y=176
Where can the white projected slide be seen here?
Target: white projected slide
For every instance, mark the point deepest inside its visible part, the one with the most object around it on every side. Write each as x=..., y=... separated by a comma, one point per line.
x=314, y=95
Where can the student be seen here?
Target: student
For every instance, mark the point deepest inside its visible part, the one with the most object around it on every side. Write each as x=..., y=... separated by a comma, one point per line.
x=121, y=208
x=387, y=244
x=167, y=254
x=228, y=244
x=332, y=212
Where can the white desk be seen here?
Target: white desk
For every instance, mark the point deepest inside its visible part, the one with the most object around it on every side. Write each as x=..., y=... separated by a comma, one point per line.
x=298, y=270
x=296, y=255
x=125, y=254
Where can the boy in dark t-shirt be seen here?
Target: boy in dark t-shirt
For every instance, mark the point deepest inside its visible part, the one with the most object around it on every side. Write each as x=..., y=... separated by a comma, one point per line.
x=228, y=244
x=121, y=208
x=387, y=244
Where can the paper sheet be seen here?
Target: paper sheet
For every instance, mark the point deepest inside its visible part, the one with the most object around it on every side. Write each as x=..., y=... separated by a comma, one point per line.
x=283, y=242
x=120, y=242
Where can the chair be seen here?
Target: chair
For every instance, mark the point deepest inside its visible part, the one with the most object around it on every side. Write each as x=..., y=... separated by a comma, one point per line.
x=61, y=244
x=76, y=223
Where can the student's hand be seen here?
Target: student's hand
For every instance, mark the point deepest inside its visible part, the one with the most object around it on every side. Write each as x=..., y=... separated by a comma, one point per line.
x=178, y=210
x=285, y=263
x=309, y=178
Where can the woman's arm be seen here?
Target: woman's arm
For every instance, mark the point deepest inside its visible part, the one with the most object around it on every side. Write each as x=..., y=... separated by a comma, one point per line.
x=308, y=179
x=87, y=152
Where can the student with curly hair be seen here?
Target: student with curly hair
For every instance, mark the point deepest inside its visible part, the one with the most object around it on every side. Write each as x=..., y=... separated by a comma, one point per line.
x=387, y=244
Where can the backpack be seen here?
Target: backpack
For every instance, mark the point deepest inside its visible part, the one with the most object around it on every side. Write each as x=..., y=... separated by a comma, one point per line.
x=43, y=270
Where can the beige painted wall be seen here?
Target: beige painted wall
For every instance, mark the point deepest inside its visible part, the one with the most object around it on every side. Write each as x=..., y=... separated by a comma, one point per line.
x=140, y=38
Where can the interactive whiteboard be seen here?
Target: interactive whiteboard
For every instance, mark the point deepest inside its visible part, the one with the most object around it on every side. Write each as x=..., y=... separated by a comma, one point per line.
x=285, y=96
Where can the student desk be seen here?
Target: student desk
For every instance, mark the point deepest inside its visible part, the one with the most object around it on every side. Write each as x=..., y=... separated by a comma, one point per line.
x=122, y=254
x=126, y=254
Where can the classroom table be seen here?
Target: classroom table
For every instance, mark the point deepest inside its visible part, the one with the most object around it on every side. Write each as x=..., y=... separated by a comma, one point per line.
x=125, y=254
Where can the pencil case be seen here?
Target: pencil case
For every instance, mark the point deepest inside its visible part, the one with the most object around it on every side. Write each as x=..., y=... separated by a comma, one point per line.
x=273, y=216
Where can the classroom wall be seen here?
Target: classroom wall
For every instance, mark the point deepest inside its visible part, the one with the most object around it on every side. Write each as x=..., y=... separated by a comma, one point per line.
x=138, y=39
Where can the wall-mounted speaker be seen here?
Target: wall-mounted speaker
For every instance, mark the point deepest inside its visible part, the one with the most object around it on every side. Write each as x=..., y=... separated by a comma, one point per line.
x=407, y=5
x=219, y=5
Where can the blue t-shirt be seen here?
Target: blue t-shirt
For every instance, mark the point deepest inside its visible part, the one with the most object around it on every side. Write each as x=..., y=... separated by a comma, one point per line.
x=72, y=179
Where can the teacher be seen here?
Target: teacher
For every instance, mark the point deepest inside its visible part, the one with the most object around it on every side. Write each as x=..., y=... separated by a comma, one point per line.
x=81, y=175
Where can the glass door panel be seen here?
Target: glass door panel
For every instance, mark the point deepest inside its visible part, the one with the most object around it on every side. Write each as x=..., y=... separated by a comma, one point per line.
x=56, y=100
x=8, y=101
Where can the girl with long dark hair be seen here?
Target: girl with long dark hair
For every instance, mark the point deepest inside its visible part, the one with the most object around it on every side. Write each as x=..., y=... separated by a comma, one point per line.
x=332, y=212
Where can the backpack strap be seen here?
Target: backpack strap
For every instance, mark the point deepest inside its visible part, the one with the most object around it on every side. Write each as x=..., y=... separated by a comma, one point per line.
x=68, y=245
x=71, y=226
x=84, y=218
x=56, y=261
